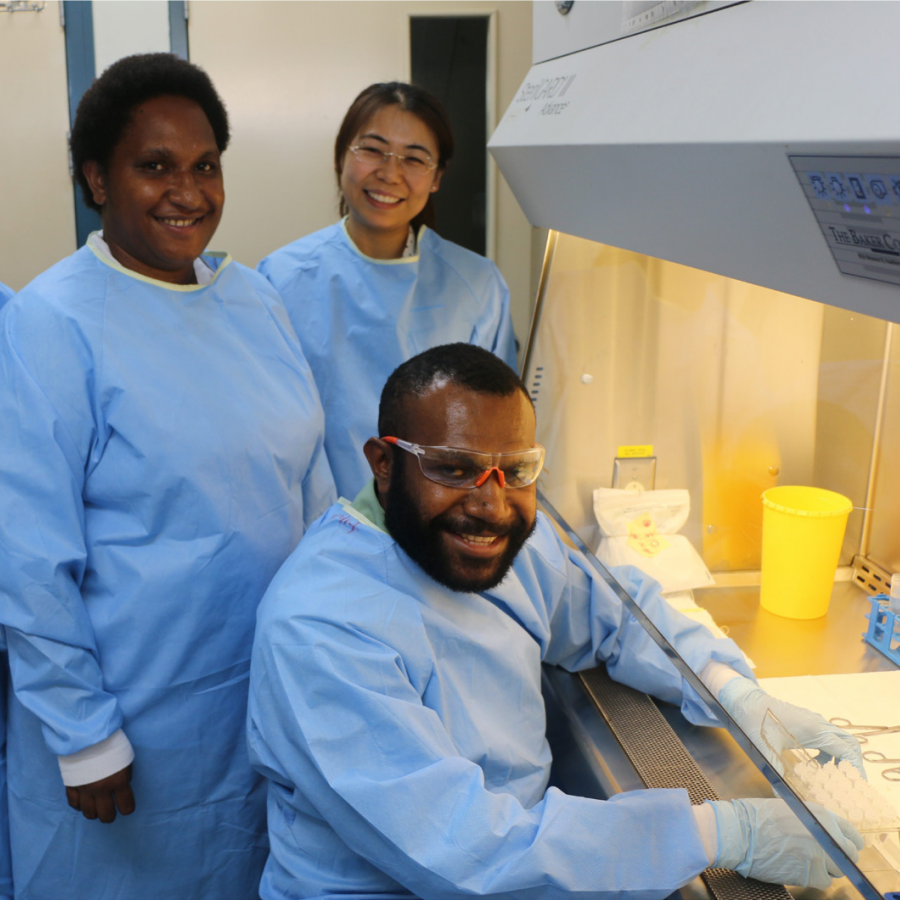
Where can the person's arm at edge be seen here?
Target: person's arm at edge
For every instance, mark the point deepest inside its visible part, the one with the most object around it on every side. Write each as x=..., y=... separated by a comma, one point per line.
x=48, y=486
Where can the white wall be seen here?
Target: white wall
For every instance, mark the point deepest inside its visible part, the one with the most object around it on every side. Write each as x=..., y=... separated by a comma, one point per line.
x=126, y=27
x=288, y=72
x=37, y=212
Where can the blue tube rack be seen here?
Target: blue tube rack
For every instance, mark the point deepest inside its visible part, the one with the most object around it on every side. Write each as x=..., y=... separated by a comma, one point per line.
x=884, y=629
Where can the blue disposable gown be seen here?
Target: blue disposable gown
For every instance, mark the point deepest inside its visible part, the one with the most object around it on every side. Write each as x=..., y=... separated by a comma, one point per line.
x=402, y=727
x=161, y=456
x=358, y=318
x=6, y=882
x=5, y=863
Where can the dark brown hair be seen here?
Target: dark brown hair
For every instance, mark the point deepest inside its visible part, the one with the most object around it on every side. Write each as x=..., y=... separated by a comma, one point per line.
x=410, y=98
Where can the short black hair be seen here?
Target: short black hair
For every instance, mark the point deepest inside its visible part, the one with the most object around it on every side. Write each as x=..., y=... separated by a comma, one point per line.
x=105, y=109
x=462, y=364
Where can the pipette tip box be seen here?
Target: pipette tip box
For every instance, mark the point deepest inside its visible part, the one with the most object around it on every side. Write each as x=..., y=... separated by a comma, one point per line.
x=839, y=788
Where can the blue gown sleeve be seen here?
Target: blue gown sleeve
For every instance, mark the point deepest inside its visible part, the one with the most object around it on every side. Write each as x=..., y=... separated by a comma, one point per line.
x=504, y=344
x=318, y=484
x=583, y=605
x=319, y=491
x=336, y=717
x=6, y=881
x=48, y=425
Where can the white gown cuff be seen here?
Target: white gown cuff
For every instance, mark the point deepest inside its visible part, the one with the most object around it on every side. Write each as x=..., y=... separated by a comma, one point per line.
x=709, y=834
x=715, y=675
x=97, y=761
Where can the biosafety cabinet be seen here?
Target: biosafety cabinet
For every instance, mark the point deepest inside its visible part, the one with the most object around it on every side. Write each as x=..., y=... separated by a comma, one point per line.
x=715, y=318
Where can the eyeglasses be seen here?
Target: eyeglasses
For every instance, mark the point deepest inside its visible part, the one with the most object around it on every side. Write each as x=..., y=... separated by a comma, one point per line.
x=468, y=469
x=412, y=164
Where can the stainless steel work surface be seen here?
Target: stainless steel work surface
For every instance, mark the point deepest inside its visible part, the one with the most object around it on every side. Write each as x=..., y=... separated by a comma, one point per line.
x=832, y=644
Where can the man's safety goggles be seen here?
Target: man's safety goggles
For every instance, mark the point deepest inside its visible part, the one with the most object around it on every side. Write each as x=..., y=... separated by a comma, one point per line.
x=469, y=469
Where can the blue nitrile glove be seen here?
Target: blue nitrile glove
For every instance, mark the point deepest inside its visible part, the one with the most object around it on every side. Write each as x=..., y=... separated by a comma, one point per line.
x=763, y=839
x=747, y=703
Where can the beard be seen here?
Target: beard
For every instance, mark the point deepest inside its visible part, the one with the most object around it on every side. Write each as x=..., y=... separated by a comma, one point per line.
x=424, y=542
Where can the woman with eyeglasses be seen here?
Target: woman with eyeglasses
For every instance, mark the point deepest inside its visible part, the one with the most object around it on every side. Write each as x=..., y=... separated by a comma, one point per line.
x=380, y=286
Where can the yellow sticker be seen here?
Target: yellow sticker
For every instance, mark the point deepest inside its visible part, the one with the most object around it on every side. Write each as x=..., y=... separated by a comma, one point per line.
x=630, y=451
x=643, y=537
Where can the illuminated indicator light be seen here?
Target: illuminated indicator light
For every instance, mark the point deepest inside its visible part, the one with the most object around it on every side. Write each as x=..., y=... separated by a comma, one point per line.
x=868, y=211
x=846, y=207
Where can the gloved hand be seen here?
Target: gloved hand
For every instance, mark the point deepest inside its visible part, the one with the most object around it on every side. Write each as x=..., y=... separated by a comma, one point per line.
x=763, y=839
x=747, y=703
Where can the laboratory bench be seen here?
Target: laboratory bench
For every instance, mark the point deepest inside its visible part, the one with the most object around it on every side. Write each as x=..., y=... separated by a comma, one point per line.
x=829, y=645
x=590, y=761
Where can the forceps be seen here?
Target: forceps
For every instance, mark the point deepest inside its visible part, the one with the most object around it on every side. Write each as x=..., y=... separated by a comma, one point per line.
x=863, y=732
x=876, y=756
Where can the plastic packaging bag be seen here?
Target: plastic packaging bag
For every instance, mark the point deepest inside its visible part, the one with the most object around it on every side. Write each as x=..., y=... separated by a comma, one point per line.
x=639, y=529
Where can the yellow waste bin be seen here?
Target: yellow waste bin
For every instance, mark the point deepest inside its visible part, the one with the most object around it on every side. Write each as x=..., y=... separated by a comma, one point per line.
x=803, y=529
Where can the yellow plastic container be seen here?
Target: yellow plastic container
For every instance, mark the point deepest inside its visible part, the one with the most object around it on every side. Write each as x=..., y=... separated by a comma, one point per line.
x=803, y=529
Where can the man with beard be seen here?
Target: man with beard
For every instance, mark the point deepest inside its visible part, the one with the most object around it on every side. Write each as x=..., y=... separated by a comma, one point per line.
x=395, y=698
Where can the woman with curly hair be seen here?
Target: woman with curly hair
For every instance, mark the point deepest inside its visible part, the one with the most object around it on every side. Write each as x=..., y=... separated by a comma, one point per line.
x=162, y=454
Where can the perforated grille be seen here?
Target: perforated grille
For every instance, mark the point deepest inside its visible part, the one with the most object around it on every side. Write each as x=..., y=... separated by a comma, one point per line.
x=662, y=761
